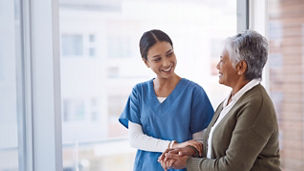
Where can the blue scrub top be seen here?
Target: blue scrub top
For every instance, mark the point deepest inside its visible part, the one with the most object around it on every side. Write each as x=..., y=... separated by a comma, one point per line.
x=185, y=111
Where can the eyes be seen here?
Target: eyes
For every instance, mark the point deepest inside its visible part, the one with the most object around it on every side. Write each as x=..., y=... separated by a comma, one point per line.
x=159, y=58
x=156, y=59
x=221, y=59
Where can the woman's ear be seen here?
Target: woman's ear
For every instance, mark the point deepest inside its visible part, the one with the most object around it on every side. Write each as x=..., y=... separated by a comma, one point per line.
x=146, y=62
x=241, y=67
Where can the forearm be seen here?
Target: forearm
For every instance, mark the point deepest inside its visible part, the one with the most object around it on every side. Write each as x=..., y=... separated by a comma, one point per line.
x=138, y=139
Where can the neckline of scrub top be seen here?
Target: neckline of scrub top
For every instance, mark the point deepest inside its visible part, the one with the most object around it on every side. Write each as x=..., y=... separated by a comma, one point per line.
x=173, y=94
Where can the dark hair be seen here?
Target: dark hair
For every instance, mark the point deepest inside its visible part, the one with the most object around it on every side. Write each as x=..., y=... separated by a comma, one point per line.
x=149, y=38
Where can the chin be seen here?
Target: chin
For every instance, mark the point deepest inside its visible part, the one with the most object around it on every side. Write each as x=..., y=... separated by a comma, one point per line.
x=221, y=81
x=167, y=75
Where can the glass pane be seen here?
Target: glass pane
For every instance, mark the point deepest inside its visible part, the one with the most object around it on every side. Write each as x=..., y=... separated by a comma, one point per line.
x=96, y=85
x=8, y=94
x=286, y=78
x=72, y=45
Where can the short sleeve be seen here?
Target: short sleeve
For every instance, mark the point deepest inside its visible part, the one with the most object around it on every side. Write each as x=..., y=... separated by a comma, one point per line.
x=201, y=112
x=131, y=111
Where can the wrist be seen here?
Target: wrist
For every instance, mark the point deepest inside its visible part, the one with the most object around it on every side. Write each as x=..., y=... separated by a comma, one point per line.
x=172, y=144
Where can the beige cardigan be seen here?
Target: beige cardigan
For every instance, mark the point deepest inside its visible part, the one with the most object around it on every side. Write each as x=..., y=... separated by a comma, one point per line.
x=245, y=139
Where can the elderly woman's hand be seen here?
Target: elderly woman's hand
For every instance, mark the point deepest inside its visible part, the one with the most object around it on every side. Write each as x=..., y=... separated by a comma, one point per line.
x=197, y=145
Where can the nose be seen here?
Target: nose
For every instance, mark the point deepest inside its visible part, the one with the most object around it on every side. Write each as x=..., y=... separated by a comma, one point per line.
x=218, y=65
x=166, y=62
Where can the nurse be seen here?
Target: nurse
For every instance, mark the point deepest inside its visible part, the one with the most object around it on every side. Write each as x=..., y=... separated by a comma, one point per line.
x=167, y=111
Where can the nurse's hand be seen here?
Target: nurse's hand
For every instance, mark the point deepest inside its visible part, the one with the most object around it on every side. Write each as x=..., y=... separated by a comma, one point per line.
x=193, y=143
x=175, y=158
x=166, y=163
x=178, y=158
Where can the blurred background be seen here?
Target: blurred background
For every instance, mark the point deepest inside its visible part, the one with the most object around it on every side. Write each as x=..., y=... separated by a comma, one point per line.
x=100, y=63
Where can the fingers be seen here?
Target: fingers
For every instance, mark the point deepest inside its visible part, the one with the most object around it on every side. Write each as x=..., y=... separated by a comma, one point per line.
x=162, y=156
x=170, y=157
x=199, y=148
x=188, y=151
x=181, y=163
x=170, y=163
x=167, y=164
x=163, y=164
x=173, y=155
x=174, y=151
x=197, y=145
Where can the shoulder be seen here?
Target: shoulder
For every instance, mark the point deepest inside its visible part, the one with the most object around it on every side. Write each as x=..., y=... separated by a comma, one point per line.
x=258, y=107
x=141, y=88
x=143, y=85
x=261, y=97
x=257, y=96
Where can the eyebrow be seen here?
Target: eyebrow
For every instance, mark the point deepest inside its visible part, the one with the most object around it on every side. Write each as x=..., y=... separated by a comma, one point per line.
x=155, y=56
x=170, y=50
x=158, y=55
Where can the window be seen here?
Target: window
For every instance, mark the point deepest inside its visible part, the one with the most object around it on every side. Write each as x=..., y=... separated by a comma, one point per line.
x=286, y=86
x=73, y=110
x=92, y=38
x=92, y=52
x=215, y=53
x=11, y=136
x=119, y=46
x=72, y=45
x=78, y=45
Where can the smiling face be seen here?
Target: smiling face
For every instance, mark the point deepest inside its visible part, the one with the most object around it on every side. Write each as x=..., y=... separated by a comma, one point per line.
x=228, y=75
x=161, y=59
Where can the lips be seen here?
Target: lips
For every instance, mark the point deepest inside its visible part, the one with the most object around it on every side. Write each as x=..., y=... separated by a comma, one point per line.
x=167, y=69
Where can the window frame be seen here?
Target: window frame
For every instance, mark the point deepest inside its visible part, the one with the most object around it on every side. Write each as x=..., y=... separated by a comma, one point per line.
x=24, y=116
x=258, y=21
x=39, y=74
x=242, y=10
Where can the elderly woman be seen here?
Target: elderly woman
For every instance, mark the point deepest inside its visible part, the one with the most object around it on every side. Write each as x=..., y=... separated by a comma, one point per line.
x=243, y=134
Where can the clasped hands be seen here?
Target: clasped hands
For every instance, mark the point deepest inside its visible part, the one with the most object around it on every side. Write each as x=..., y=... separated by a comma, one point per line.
x=177, y=157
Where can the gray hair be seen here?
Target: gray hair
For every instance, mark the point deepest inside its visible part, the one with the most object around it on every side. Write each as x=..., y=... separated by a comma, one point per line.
x=251, y=47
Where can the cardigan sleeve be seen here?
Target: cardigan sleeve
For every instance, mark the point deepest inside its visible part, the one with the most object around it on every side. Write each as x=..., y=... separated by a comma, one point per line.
x=253, y=128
